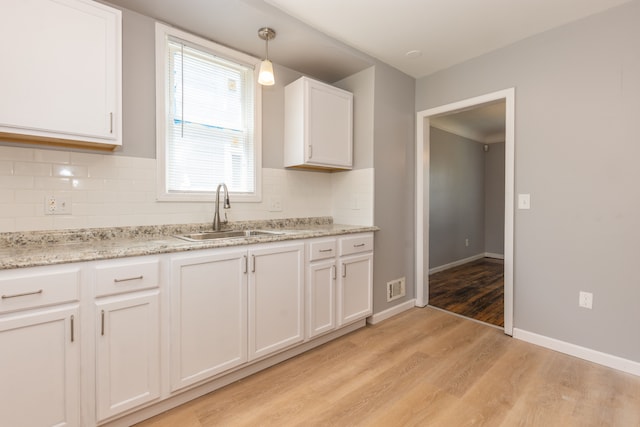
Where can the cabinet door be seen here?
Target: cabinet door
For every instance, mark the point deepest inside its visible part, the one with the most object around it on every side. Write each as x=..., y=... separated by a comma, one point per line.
x=276, y=287
x=208, y=315
x=321, y=297
x=65, y=73
x=40, y=368
x=355, y=290
x=127, y=352
x=329, y=125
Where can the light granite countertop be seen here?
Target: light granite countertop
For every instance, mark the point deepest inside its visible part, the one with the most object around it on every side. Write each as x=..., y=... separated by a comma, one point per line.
x=37, y=248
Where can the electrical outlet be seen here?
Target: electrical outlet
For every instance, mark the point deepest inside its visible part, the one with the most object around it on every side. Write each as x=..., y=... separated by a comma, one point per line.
x=586, y=300
x=466, y=242
x=355, y=202
x=275, y=204
x=54, y=205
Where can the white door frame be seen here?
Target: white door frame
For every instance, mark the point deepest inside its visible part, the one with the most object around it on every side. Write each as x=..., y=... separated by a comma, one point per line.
x=422, y=195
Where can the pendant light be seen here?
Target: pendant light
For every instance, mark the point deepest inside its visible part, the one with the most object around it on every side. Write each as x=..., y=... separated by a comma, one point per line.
x=265, y=77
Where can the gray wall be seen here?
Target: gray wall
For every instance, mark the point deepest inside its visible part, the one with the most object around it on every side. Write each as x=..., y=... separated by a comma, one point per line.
x=577, y=142
x=494, y=199
x=456, y=198
x=394, y=162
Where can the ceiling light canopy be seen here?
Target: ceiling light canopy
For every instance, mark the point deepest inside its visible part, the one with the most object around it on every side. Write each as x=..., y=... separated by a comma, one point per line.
x=266, y=77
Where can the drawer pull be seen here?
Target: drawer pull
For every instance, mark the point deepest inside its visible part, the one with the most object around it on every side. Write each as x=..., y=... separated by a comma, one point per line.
x=22, y=295
x=72, y=329
x=333, y=269
x=102, y=323
x=128, y=279
x=359, y=245
x=344, y=270
x=326, y=250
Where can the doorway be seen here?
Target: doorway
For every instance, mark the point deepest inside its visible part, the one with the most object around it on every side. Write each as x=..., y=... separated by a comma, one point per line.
x=424, y=119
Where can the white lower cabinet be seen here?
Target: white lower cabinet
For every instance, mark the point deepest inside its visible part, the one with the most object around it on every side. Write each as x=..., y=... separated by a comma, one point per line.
x=321, y=287
x=355, y=284
x=127, y=352
x=276, y=298
x=127, y=334
x=355, y=290
x=208, y=315
x=39, y=347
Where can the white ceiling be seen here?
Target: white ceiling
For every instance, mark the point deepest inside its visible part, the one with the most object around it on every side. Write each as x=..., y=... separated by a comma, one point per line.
x=332, y=39
x=485, y=123
x=446, y=32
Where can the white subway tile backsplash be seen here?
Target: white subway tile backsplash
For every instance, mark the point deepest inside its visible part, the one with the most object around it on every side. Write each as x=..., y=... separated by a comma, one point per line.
x=6, y=167
x=87, y=184
x=17, y=182
x=8, y=224
x=6, y=196
x=16, y=153
x=51, y=156
x=31, y=169
x=70, y=171
x=50, y=183
x=34, y=223
x=30, y=196
x=110, y=191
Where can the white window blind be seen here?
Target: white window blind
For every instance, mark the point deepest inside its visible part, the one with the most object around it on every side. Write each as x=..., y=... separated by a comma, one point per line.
x=209, y=122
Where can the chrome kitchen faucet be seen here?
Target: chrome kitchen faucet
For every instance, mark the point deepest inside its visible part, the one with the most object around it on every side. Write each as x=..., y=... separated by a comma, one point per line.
x=216, y=216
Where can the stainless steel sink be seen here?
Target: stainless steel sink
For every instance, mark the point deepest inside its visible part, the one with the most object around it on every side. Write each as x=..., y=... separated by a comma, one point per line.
x=233, y=234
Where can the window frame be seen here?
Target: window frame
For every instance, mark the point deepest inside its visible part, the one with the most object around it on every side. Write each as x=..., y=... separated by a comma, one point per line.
x=162, y=35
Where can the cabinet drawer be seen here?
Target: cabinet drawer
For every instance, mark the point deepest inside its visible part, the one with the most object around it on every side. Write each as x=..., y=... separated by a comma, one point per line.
x=25, y=289
x=121, y=277
x=322, y=249
x=356, y=244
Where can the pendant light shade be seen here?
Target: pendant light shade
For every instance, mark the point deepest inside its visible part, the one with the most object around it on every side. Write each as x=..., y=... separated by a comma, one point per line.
x=266, y=77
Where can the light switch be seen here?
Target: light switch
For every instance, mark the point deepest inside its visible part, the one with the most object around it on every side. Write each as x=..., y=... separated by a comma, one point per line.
x=524, y=201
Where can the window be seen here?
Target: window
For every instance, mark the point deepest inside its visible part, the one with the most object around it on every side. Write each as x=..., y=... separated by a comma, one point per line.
x=207, y=119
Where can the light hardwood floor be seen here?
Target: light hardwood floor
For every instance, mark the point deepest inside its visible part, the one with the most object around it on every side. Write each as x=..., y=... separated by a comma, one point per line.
x=423, y=367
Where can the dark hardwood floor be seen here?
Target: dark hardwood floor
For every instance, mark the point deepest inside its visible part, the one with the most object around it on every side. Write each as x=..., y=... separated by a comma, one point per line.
x=474, y=290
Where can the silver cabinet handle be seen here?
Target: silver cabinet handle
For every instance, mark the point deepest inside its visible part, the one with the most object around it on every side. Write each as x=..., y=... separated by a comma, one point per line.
x=358, y=246
x=253, y=263
x=344, y=270
x=246, y=262
x=333, y=269
x=72, y=328
x=128, y=279
x=110, y=122
x=102, y=323
x=326, y=250
x=39, y=291
x=310, y=151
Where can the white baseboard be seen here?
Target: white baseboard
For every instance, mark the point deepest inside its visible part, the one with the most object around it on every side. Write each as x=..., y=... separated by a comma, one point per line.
x=492, y=255
x=390, y=312
x=594, y=356
x=455, y=263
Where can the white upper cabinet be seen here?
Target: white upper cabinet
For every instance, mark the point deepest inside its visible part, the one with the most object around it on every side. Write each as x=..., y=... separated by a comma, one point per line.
x=61, y=74
x=318, y=126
